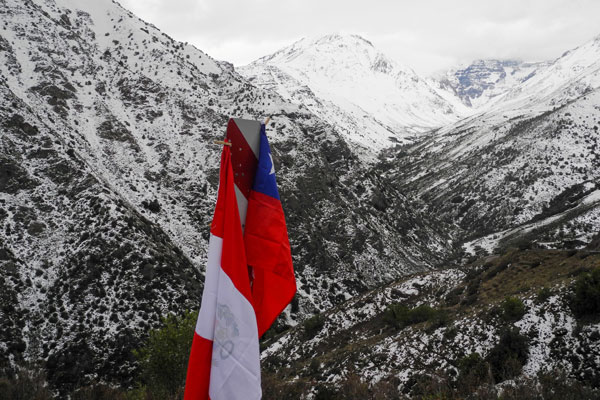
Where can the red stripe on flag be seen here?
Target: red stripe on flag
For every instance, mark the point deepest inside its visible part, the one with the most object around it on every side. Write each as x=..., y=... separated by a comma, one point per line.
x=243, y=160
x=217, y=227
x=226, y=224
x=268, y=252
x=198, y=373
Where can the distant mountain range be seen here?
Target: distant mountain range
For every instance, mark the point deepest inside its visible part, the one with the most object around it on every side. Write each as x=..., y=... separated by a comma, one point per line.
x=375, y=102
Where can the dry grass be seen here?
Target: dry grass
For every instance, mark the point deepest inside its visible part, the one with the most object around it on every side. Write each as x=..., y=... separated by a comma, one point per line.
x=528, y=271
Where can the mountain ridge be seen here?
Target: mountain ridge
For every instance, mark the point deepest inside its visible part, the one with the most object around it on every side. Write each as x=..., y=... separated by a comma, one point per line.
x=385, y=102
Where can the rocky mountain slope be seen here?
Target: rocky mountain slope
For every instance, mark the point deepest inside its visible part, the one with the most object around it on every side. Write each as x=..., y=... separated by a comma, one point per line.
x=107, y=184
x=372, y=100
x=526, y=167
x=481, y=82
x=522, y=174
x=84, y=273
x=448, y=334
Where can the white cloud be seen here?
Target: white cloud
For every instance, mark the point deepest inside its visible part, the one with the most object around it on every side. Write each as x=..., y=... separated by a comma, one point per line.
x=427, y=35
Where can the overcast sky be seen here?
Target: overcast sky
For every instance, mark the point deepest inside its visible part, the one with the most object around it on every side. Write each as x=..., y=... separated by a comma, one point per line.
x=427, y=35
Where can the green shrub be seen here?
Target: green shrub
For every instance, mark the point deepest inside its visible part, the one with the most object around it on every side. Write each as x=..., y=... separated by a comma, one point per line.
x=421, y=313
x=386, y=389
x=513, y=309
x=543, y=294
x=353, y=387
x=163, y=359
x=99, y=392
x=314, y=367
x=451, y=333
x=325, y=392
x=509, y=355
x=394, y=314
x=400, y=316
x=313, y=325
x=473, y=372
x=586, y=299
x=472, y=292
x=430, y=386
x=440, y=319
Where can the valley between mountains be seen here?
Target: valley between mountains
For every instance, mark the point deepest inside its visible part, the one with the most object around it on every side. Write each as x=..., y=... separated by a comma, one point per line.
x=454, y=193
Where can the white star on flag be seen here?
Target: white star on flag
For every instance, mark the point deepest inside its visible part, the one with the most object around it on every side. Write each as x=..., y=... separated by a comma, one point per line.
x=272, y=165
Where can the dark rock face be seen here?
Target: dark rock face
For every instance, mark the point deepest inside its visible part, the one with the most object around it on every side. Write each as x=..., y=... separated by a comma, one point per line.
x=486, y=78
x=475, y=78
x=115, y=130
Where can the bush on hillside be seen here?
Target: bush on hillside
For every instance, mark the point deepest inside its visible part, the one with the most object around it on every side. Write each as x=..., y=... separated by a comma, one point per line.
x=275, y=387
x=25, y=384
x=313, y=326
x=507, y=358
x=353, y=387
x=453, y=296
x=400, y=316
x=513, y=309
x=430, y=386
x=473, y=372
x=163, y=359
x=325, y=392
x=555, y=385
x=586, y=298
x=101, y=392
x=543, y=294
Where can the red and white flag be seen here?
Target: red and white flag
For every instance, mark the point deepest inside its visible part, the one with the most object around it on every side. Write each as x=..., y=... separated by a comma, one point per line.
x=249, y=277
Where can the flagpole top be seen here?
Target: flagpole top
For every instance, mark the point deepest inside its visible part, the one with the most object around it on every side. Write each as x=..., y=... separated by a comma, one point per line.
x=222, y=142
x=267, y=120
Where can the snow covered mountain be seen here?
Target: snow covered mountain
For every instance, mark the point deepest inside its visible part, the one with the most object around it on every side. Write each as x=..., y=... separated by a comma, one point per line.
x=107, y=183
x=108, y=179
x=526, y=167
x=372, y=100
x=570, y=76
x=480, y=82
x=501, y=327
x=486, y=84
x=520, y=182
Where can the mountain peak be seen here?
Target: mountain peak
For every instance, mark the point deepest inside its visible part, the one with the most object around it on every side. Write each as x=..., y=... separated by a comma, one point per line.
x=330, y=44
x=376, y=101
x=340, y=38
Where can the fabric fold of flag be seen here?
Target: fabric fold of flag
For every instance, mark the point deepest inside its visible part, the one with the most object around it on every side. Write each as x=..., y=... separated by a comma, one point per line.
x=224, y=362
x=267, y=244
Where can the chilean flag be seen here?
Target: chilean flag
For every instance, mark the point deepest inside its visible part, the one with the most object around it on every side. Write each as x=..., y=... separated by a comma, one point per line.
x=249, y=275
